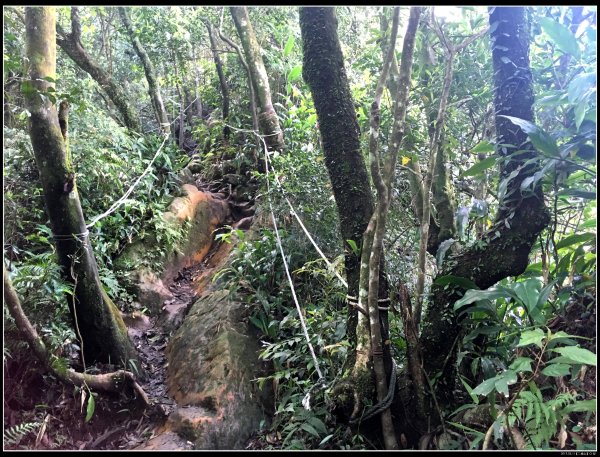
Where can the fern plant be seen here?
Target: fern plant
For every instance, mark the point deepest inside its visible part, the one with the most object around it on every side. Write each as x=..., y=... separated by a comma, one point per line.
x=13, y=435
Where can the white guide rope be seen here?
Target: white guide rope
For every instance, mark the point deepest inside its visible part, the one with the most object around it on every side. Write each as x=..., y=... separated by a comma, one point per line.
x=121, y=200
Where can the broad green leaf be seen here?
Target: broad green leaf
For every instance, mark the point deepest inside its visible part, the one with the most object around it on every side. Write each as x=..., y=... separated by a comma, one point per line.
x=534, y=336
x=91, y=407
x=580, y=355
x=354, y=247
x=540, y=139
x=485, y=387
x=310, y=429
x=458, y=280
x=483, y=146
x=318, y=424
x=580, y=110
x=573, y=239
x=562, y=36
x=476, y=295
x=557, y=369
x=480, y=167
x=521, y=364
x=504, y=380
x=528, y=292
x=581, y=87
x=295, y=73
x=289, y=45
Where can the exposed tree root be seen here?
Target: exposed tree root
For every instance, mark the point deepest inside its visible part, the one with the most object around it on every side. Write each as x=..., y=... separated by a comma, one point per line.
x=107, y=382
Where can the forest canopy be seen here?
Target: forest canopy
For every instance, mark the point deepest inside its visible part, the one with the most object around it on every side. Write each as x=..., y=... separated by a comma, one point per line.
x=300, y=227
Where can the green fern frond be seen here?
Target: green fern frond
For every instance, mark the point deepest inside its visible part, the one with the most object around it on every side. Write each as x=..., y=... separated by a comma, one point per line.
x=13, y=435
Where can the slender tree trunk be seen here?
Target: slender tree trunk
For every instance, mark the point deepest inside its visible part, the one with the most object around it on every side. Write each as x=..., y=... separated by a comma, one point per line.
x=71, y=44
x=153, y=86
x=507, y=245
x=180, y=131
x=383, y=180
x=97, y=320
x=197, y=100
x=240, y=54
x=415, y=177
x=222, y=79
x=267, y=117
x=435, y=153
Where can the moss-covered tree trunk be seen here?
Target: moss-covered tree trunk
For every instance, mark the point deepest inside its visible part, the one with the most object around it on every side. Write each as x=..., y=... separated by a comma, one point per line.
x=507, y=246
x=222, y=79
x=71, y=44
x=153, y=86
x=324, y=72
x=97, y=320
x=267, y=117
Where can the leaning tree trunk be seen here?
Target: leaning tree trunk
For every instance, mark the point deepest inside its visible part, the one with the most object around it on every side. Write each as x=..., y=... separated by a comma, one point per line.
x=98, y=322
x=71, y=44
x=222, y=79
x=107, y=382
x=153, y=86
x=267, y=117
x=507, y=246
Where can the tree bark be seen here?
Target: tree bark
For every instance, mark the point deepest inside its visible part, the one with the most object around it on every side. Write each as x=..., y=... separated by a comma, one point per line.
x=324, y=72
x=415, y=177
x=222, y=79
x=240, y=54
x=520, y=218
x=71, y=44
x=153, y=86
x=267, y=117
x=383, y=180
x=97, y=320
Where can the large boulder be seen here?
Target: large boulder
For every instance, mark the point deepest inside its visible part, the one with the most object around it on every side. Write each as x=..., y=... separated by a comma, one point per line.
x=197, y=214
x=213, y=360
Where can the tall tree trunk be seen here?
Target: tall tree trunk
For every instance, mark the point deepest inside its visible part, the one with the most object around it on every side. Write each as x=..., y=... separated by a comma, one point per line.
x=240, y=54
x=198, y=99
x=179, y=132
x=153, y=86
x=507, y=245
x=71, y=44
x=222, y=79
x=97, y=320
x=267, y=117
x=383, y=179
x=324, y=72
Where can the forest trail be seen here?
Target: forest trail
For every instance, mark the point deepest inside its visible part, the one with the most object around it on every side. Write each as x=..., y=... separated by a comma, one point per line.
x=151, y=338
x=151, y=335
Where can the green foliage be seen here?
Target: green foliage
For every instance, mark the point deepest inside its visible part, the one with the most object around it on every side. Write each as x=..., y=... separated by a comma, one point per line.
x=12, y=436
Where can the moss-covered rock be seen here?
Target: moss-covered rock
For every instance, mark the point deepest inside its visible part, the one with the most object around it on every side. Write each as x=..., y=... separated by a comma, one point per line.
x=197, y=215
x=213, y=359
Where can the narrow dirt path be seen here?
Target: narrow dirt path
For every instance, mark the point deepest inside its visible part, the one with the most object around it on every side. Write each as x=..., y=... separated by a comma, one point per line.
x=151, y=336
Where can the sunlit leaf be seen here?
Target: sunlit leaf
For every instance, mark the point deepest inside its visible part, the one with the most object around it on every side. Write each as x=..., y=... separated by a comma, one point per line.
x=556, y=369
x=480, y=167
x=534, y=336
x=289, y=45
x=577, y=354
x=562, y=36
